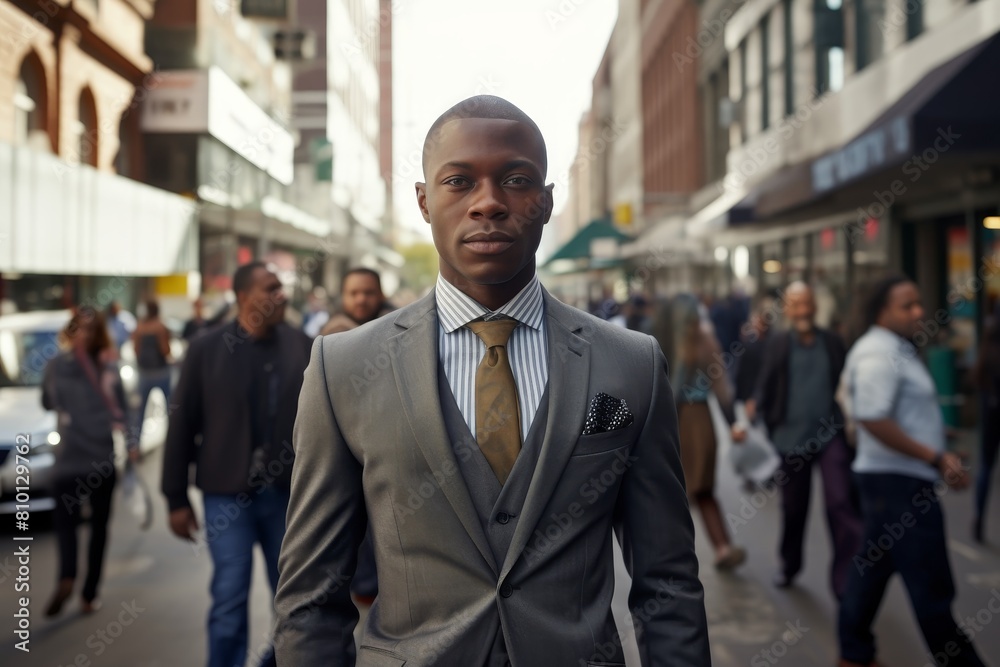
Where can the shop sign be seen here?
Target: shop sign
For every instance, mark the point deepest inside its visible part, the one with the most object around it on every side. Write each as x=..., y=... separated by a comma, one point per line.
x=209, y=102
x=869, y=152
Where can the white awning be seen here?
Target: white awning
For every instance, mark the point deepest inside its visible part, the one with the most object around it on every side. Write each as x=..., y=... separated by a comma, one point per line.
x=61, y=218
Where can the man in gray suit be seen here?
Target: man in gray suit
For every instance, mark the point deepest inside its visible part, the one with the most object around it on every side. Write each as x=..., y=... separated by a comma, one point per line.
x=493, y=469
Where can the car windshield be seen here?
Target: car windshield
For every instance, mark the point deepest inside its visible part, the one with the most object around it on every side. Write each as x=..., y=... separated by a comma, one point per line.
x=24, y=355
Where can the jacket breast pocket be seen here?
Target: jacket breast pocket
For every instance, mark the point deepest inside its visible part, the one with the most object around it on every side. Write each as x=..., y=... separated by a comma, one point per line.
x=599, y=443
x=369, y=656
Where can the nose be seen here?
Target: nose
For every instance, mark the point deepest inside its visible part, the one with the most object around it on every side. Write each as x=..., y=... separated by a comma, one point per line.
x=487, y=202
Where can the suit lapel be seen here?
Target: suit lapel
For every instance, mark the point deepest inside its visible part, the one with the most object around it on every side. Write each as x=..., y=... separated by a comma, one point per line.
x=569, y=373
x=416, y=373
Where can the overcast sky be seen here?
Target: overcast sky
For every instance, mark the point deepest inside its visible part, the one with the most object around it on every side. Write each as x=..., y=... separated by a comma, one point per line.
x=539, y=54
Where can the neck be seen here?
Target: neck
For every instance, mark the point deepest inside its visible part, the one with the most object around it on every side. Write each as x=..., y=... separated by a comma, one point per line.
x=493, y=296
x=255, y=331
x=807, y=337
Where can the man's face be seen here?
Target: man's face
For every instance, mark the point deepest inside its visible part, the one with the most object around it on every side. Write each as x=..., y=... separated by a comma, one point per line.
x=362, y=297
x=800, y=309
x=903, y=310
x=486, y=200
x=265, y=301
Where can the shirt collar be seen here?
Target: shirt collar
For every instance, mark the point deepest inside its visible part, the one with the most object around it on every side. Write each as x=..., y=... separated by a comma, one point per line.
x=891, y=335
x=456, y=309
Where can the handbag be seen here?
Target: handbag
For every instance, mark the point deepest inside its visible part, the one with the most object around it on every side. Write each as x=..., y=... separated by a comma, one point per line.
x=136, y=496
x=755, y=458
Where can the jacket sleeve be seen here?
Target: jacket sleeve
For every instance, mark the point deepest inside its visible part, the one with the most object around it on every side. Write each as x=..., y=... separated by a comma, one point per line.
x=185, y=411
x=769, y=362
x=315, y=616
x=657, y=537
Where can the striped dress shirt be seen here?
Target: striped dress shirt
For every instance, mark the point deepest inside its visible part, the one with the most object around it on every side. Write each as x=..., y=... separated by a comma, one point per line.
x=460, y=350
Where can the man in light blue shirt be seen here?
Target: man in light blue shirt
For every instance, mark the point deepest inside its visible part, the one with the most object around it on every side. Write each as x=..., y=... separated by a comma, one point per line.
x=901, y=456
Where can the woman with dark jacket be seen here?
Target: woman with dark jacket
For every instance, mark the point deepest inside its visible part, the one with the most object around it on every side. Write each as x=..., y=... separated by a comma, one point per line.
x=84, y=388
x=988, y=382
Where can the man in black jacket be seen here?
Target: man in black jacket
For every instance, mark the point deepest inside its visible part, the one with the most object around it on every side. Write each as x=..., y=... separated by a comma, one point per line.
x=795, y=396
x=238, y=392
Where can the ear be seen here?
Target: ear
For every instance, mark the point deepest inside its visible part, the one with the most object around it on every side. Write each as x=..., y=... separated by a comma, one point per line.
x=421, y=189
x=547, y=202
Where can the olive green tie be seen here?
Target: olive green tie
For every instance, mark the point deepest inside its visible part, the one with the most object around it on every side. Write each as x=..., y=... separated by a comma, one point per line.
x=498, y=419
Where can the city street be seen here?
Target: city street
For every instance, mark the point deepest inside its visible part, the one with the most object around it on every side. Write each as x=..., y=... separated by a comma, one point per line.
x=156, y=596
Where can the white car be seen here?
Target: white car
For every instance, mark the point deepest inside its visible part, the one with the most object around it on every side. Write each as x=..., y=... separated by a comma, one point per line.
x=27, y=342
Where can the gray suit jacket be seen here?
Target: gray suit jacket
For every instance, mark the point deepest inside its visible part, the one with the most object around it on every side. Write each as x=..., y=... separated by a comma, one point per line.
x=371, y=446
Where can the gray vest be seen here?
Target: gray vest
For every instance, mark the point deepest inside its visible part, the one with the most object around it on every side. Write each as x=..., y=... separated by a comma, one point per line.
x=498, y=507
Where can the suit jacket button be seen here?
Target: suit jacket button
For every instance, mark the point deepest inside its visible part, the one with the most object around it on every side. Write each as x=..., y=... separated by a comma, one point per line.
x=506, y=590
x=503, y=517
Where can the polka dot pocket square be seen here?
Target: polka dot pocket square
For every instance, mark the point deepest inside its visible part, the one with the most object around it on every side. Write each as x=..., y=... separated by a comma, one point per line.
x=606, y=413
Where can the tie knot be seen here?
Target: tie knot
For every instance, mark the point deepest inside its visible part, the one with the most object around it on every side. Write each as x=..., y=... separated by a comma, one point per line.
x=493, y=332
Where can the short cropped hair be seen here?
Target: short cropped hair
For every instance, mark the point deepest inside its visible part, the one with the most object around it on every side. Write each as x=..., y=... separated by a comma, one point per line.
x=489, y=107
x=243, y=278
x=363, y=271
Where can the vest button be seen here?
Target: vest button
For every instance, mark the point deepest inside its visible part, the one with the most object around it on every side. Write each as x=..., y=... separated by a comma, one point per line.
x=503, y=517
x=506, y=590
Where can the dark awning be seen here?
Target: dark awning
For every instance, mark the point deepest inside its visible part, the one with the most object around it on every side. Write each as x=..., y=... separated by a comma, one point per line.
x=579, y=247
x=956, y=104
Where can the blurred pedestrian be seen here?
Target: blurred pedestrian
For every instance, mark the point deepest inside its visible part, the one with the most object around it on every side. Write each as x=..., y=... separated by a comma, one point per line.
x=317, y=313
x=151, y=342
x=637, y=315
x=361, y=301
x=83, y=386
x=728, y=315
x=197, y=324
x=795, y=397
x=901, y=457
x=121, y=324
x=988, y=382
x=238, y=392
x=692, y=350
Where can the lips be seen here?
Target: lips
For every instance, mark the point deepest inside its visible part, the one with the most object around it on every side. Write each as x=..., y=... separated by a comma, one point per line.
x=493, y=243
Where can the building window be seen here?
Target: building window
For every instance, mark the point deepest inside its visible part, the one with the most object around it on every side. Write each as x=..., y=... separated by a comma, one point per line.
x=744, y=134
x=869, y=16
x=789, y=60
x=914, y=18
x=29, y=106
x=86, y=129
x=765, y=79
x=829, y=41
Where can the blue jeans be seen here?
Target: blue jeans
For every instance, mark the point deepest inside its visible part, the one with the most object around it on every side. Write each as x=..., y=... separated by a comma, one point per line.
x=231, y=530
x=904, y=533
